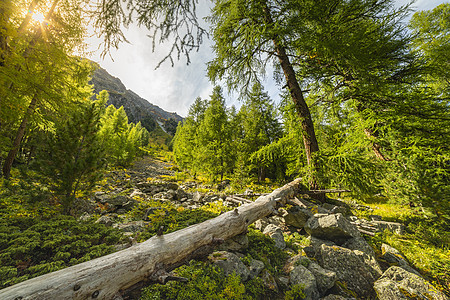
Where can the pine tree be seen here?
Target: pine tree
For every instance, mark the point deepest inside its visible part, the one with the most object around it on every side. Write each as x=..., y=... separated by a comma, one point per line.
x=214, y=137
x=74, y=156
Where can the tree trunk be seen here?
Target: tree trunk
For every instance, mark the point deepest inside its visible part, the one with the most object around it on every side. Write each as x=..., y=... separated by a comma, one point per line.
x=104, y=277
x=309, y=136
x=19, y=135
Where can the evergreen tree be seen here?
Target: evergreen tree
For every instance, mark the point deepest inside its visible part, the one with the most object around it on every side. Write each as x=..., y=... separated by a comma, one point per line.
x=74, y=156
x=214, y=137
x=122, y=140
x=260, y=127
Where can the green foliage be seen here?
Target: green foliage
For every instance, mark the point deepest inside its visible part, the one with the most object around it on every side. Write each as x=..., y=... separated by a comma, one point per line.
x=432, y=40
x=205, y=282
x=73, y=158
x=262, y=247
x=296, y=292
x=425, y=243
x=121, y=140
x=31, y=246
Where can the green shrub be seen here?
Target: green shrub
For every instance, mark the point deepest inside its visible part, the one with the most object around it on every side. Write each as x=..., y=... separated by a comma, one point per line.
x=205, y=282
x=30, y=247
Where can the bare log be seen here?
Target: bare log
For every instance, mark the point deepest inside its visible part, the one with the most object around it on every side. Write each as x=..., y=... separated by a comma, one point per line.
x=106, y=276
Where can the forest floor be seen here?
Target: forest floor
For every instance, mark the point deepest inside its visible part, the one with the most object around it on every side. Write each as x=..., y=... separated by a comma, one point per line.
x=34, y=239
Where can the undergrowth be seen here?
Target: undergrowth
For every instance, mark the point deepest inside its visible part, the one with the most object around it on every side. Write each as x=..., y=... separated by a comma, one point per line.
x=205, y=282
x=425, y=243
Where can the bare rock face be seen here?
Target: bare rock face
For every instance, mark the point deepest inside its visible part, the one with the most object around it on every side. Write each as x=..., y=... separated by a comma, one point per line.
x=334, y=227
x=397, y=283
x=350, y=269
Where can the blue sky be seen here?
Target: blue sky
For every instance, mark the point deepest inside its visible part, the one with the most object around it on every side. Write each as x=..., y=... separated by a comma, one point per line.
x=175, y=88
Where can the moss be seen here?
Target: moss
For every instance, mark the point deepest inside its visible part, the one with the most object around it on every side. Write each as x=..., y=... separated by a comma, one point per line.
x=296, y=292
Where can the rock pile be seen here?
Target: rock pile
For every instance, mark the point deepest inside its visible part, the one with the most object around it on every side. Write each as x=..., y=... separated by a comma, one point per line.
x=338, y=263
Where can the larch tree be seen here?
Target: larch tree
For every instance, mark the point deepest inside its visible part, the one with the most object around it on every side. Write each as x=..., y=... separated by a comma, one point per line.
x=248, y=36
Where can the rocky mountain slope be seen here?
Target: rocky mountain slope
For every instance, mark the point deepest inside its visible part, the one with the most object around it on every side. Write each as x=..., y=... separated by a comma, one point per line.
x=138, y=109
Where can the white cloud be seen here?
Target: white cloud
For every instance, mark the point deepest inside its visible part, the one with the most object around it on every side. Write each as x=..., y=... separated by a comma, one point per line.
x=175, y=88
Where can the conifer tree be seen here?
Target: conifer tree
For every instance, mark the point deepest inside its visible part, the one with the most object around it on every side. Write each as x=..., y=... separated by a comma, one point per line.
x=214, y=137
x=74, y=156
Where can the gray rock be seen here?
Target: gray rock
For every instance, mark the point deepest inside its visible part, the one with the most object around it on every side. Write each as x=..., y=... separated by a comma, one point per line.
x=197, y=197
x=256, y=266
x=276, y=220
x=313, y=250
x=390, y=226
x=261, y=224
x=118, y=200
x=276, y=234
x=397, y=283
x=284, y=281
x=333, y=297
x=229, y=263
x=135, y=226
x=297, y=216
x=333, y=227
x=236, y=243
x=350, y=269
x=371, y=262
x=359, y=243
x=393, y=256
x=301, y=275
x=325, y=279
x=268, y=280
x=105, y=220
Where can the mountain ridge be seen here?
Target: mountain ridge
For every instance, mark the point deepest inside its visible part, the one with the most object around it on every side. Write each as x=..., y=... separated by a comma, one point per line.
x=137, y=108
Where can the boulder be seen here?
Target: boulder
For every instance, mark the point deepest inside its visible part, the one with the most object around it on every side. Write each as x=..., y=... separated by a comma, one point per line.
x=229, y=263
x=297, y=216
x=397, y=283
x=313, y=250
x=276, y=234
x=351, y=270
x=197, y=197
x=359, y=243
x=236, y=243
x=393, y=256
x=261, y=224
x=117, y=201
x=301, y=275
x=325, y=279
x=334, y=227
x=256, y=266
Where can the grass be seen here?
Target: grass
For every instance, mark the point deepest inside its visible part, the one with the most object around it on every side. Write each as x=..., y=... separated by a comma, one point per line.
x=425, y=243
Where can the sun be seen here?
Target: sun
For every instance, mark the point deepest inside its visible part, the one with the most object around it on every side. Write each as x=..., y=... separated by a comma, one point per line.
x=39, y=17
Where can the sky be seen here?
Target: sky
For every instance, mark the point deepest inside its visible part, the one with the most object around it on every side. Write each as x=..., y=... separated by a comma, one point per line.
x=175, y=88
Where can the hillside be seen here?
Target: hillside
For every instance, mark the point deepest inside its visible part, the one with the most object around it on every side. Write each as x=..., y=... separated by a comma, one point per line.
x=137, y=108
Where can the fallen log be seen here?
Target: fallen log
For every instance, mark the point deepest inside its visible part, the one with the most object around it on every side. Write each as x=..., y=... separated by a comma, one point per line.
x=106, y=276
